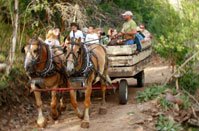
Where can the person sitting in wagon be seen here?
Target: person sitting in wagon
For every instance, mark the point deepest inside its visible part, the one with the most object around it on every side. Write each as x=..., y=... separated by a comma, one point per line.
x=129, y=31
x=75, y=32
x=145, y=33
x=91, y=37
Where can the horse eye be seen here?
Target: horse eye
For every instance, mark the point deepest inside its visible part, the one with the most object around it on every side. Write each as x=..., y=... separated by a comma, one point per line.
x=79, y=52
x=35, y=51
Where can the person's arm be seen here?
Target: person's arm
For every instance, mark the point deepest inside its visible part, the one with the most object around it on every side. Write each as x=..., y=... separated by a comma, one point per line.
x=81, y=36
x=132, y=32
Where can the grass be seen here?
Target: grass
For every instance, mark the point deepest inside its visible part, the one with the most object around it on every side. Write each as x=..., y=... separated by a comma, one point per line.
x=150, y=93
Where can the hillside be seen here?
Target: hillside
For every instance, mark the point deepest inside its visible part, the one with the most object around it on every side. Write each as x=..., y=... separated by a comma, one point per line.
x=175, y=45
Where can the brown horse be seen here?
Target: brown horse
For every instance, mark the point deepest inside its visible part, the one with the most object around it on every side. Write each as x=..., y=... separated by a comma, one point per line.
x=91, y=63
x=44, y=71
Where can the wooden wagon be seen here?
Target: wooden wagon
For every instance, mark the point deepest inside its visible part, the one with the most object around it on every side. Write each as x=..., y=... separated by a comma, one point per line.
x=124, y=62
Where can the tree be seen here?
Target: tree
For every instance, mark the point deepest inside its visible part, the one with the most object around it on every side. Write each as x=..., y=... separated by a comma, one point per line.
x=14, y=38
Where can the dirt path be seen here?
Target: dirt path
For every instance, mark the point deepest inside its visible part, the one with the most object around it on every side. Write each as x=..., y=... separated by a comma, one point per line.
x=119, y=117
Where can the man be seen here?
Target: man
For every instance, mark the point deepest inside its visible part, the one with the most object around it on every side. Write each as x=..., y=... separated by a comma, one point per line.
x=91, y=37
x=75, y=32
x=129, y=30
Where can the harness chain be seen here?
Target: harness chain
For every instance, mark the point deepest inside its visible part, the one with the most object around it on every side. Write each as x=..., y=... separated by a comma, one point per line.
x=49, y=69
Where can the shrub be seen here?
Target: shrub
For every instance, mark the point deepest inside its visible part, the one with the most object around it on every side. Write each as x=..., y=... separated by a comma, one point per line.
x=189, y=82
x=167, y=124
x=150, y=93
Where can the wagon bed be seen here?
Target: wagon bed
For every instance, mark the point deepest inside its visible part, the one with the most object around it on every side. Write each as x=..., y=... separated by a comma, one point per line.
x=124, y=62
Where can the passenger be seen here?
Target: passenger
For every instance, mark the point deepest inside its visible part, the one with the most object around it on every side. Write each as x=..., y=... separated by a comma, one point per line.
x=147, y=35
x=129, y=31
x=52, y=37
x=75, y=32
x=103, y=39
x=91, y=37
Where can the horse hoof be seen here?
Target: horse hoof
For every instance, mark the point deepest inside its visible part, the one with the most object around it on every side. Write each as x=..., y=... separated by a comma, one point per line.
x=41, y=122
x=85, y=124
x=55, y=115
x=80, y=116
x=102, y=110
x=62, y=108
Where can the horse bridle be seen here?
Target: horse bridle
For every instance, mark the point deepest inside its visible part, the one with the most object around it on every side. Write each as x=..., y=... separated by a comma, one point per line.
x=49, y=69
x=75, y=62
x=36, y=60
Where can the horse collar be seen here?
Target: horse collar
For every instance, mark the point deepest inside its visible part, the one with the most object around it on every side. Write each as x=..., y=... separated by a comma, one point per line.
x=49, y=69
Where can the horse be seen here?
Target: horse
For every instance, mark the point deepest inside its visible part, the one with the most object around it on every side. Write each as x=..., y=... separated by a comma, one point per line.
x=90, y=62
x=44, y=71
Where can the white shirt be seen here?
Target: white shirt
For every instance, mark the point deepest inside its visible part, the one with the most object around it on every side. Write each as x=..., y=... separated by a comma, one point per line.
x=78, y=34
x=92, y=38
x=52, y=42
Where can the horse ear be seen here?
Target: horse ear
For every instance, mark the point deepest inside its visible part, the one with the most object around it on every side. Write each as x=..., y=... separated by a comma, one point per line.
x=23, y=49
x=79, y=40
x=41, y=40
x=66, y=40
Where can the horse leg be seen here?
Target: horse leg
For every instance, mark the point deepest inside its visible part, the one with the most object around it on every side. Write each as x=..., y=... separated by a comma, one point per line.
x=41, y=119
x=54, y=111
x=87, y=103
x=62, y=103
x=74, y=104
x=103, y=109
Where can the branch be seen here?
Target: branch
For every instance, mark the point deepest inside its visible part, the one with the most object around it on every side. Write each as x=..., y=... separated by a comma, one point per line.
x=24, y=24
x=180, y=68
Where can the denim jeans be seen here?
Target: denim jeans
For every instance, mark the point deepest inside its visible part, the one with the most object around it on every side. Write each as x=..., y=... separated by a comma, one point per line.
x=136, y=41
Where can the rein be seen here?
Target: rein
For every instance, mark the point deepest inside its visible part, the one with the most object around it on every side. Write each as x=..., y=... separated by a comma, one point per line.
x=86, y=64
x=49, y=66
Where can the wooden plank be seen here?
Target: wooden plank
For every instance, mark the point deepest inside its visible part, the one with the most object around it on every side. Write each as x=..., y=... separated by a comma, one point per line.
x=119, y=72
x=125, y=49
x=115, y=61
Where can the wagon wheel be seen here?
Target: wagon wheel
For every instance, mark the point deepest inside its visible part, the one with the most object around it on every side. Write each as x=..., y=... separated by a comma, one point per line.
x=123, y=92
x=140, y=79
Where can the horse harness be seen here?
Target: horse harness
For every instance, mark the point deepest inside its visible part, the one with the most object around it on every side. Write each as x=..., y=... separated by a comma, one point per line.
x=87, y=65
x=49, y=69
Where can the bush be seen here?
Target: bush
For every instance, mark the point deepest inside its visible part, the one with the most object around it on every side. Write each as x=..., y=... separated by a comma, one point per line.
x=167, y=124
x=189, y=82
x=150, y=93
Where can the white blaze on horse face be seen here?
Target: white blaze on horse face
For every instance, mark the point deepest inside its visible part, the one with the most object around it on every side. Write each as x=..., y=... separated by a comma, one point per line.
x=70, y=64
x=28, y=58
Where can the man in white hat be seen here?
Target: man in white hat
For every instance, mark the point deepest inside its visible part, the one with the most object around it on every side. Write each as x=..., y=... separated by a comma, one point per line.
x=129, y=30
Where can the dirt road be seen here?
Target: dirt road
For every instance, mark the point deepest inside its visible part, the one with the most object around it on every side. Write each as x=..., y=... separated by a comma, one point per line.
x=119, y=117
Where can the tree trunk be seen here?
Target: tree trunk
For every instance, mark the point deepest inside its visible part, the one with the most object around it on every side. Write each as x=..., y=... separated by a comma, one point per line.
x=14, y=38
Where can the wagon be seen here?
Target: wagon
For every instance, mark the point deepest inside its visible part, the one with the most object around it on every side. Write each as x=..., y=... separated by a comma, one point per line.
x=124, y=63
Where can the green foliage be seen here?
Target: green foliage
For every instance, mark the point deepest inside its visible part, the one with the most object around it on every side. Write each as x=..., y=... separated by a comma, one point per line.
x=175, y=31
x=186, y=102
x=4, y=81
x=189, y=82
x=150, y=93
x=165, y=103
x=167, y=124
